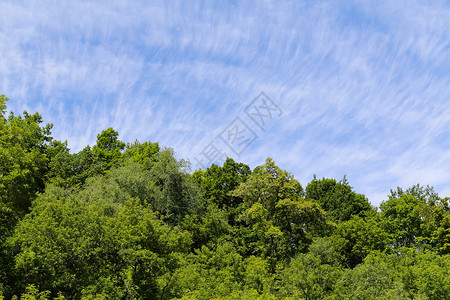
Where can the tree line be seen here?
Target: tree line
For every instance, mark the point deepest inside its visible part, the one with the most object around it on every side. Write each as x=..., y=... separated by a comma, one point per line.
x=130, y=221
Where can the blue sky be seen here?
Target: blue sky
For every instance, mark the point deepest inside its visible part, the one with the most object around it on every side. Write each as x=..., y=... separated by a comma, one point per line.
x=362, y=87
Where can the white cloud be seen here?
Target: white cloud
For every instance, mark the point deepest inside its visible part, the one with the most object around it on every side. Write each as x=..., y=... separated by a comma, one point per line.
x=364, y=86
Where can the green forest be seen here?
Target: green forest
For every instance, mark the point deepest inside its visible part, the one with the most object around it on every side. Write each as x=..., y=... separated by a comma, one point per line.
x=131, y=221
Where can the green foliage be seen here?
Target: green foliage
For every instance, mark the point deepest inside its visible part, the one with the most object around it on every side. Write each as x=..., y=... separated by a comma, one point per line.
x=33, y=293
x=23, y=161
x=417, y=217
x=402, y=219
x=142, y=153
x=70, y=171
x=441, y=236
x=338, y=199
x=308, y=278
x=109, y=148
x=374, y=279
x=97, y=246
x=131, y=222
x=207, y=227
x=356, y=238
x=282, y=221
x=210, y=273
x=178, y=194
x=164, y=186
x=423, y=194
x=406, y=275
x=23, y=164
x=435, y=225
x=217, y=183
x=221, y=273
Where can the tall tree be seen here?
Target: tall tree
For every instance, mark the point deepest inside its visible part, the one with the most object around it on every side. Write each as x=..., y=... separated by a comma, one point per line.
x=283, y=222
x=404, y=214
x=24, y=145
x=109, y=148
x=23, y=160
x=217, y=182
x=338, y=199
x=418, y=217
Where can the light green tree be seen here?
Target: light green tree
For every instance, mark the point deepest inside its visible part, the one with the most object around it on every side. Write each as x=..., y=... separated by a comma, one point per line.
x=24, y=145
x=109, y=148
x=283, y=222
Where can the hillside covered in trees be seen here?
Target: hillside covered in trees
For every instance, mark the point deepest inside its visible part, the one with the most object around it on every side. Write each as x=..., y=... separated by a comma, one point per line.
x=130, y=221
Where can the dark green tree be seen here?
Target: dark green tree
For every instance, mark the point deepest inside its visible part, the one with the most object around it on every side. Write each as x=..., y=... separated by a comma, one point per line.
x=178, y=195
x=356, y=238
x=217, y=183
x=338, y=199
x=70, y=171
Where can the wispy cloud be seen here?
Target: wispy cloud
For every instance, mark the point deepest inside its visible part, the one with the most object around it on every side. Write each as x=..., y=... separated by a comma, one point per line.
x=364, y=86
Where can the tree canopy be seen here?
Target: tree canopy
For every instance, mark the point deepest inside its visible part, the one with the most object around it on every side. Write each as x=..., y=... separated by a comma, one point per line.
x=130, y=221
